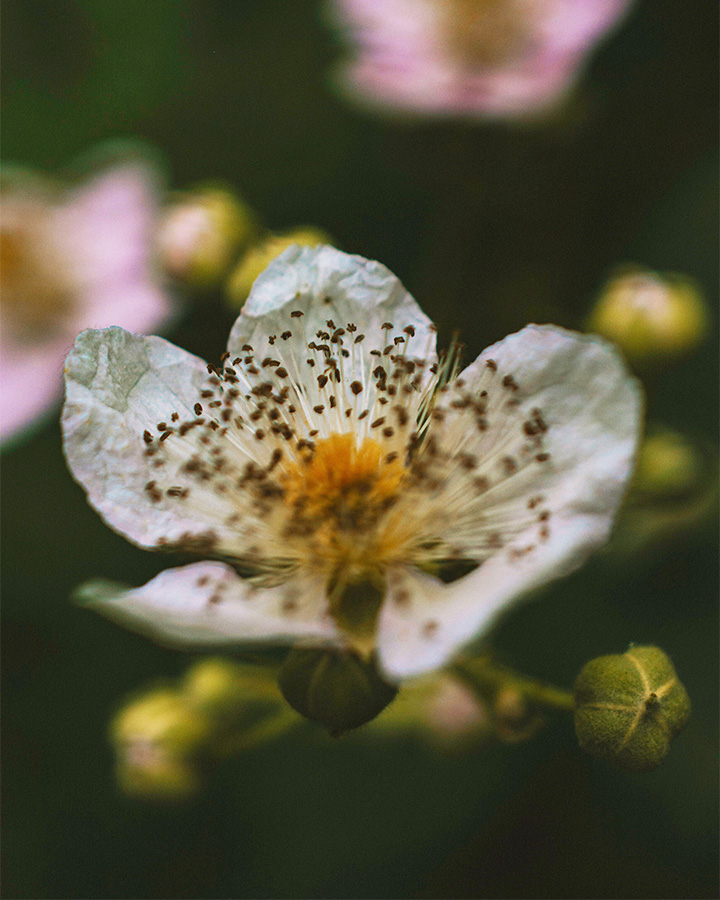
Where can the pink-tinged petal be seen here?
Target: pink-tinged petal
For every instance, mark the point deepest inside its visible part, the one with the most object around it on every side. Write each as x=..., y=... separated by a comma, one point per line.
x=438, y=57
x=141, y=307
x=208, y=604
x=553, y=450
x=30, y=382
x=85, y=261
x=108, y=226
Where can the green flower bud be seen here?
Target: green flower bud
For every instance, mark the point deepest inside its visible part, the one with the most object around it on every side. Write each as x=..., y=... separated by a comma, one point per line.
x=669, y=466
x=653, y=318
x=259, y=257
x=336, y=688
x=516, y=718
x=222, y=688
x=629, y=707
x=201, y=234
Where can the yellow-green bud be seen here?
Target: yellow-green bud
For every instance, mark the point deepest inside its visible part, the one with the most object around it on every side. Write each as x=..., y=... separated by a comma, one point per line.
x=516, y=718
x=220, y=687
x=149, y=773
x=336, y=688
x=653, y=318
x=259, y=257
x=212, y=683
x=201, y=234
x=629, y=707
x=161, y=718
x=668, y=466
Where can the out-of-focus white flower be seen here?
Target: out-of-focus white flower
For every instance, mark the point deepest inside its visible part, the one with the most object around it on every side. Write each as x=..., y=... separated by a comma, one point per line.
x=342, y=467
x=70, y=258
x=473, y=58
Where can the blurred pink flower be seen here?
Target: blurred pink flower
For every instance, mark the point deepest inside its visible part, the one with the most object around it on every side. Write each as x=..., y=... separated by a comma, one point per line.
x=472, y=58
x=71, y=258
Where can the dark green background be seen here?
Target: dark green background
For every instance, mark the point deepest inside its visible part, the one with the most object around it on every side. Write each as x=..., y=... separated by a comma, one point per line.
x=489, y=227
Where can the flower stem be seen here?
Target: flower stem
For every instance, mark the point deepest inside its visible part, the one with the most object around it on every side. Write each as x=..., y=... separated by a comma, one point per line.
x=486, y=676
x=265, y=730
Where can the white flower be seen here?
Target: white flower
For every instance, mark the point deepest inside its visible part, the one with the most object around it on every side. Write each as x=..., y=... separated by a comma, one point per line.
x=339, y=464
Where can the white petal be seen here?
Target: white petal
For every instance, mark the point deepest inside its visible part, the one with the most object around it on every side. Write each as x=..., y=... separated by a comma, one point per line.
x=207, y=603
x=324, y=283
x=593, y=411
x=591, y=404
x=117, y=385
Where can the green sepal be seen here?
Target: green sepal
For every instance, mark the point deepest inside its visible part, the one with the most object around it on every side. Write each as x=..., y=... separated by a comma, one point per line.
x=335, y=688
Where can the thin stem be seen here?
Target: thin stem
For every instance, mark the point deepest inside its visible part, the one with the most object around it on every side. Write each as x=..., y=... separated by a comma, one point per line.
x=486, y=676
x=265, y=730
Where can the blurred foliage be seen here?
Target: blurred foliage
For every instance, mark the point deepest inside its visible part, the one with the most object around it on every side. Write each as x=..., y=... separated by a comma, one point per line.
x=489, y=227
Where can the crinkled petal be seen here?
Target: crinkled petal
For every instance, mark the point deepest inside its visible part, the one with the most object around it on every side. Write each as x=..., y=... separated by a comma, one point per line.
x=207, y=603
x=591, y=406
x=547, y=499
x=118, y=385
x=323, y=284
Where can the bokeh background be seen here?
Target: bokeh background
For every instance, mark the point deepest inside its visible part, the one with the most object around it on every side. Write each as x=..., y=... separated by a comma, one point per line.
x=490, y=226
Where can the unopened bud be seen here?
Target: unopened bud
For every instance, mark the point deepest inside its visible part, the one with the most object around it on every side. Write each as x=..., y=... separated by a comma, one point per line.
x=226, y=690
x=156, y=738
x=516, y=718
x=146, y=771
x=336, y=688
x=259, y=257
x=162, y=718
x=668, y=466
x=202, y=233
x=653, y=318
x=629, y=707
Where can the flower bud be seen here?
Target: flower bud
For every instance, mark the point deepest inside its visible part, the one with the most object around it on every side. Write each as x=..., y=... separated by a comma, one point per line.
x=228, y=692
x=336, y=688
x=155, y=738
x=653, y=318
x=163, y=718
x=439, y=708
x=669, y=466
x=259, y=257
x=629, y=707
x=149, y=773
x=516, y=718
x=201, y=234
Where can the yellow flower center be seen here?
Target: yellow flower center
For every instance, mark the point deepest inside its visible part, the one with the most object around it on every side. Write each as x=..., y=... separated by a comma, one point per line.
x=37, y=293
x=339, y=499
x=486, y=32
